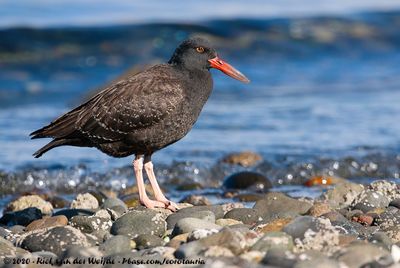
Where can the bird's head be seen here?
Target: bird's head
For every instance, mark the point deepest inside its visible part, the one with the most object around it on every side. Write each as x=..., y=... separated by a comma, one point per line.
x=197, y=53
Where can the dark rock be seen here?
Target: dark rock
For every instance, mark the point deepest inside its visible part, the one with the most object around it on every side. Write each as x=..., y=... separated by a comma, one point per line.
x=245, y=215
x=89, y=224
x=58, y=202
x=113, y=202
x=116, y=244
x=22, y=217
x=139, y=222
x=55, y=240
x=186, y=225
x=278, y=205
x=71, y=212
x=206, y=215
x=247, y=179
x=372, y=200
x=144, y=241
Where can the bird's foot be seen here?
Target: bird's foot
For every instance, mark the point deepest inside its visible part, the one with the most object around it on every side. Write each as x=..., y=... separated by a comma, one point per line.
x=148, y=203
x=168, y=203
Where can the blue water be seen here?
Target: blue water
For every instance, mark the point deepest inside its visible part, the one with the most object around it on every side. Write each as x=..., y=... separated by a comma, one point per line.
x=324, y=96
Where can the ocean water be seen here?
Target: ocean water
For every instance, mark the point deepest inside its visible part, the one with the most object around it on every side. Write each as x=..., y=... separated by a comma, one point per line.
x=323, y=99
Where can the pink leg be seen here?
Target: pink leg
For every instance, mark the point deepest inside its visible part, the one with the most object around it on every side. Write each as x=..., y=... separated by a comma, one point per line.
x=144, y=199
x=158, y=194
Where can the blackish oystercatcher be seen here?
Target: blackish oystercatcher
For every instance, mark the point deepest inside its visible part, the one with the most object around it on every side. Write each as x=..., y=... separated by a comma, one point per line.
x=143, y=113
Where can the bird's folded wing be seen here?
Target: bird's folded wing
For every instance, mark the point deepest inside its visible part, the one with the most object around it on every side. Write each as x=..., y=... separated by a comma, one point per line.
x=129, y=106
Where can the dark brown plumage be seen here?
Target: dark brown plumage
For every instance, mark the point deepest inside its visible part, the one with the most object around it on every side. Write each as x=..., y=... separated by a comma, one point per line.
x=145, y=112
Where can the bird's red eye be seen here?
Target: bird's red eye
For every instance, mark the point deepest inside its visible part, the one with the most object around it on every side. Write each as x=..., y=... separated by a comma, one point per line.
x=200, y=49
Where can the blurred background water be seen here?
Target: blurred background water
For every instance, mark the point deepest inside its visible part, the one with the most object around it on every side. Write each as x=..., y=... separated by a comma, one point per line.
x=324, y=96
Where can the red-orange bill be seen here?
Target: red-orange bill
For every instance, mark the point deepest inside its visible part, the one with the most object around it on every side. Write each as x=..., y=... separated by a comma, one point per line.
x=228, y=69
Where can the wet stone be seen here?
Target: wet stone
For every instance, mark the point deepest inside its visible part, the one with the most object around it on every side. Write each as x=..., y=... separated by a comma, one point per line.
x=371, y=200
x=135, y=223
x=89, y=224
x=247, y=179
x=186, y=225
x=274, y=240
x=245, y=215
x=29, y=201
x=47, y=222
x=55, y=240
x=115, y=244
x=278, y=205
x=205, y=215
x=22, y=217
x=85, y=201
x=144, y=241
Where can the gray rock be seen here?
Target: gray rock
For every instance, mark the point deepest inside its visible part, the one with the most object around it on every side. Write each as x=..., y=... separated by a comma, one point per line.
x=356, y=255
x=343, y=194
x=395, y=203
x=205, y=215
x=139, y=222
x=394, y=233
x=371, y=200
x=85, y=201
x=4, y=232
x=73, y=252
x=186, y=225
x=279, y=205
x=7, y=249
x=297, y=227
x=279, y=258
x=113, y=202
x=233, y=240
x=381, y=239
x=335, y=216
x=317, y=263
x=17, y=229
x=71, y=212
x=55, y=240
x=246, y=179
x=90, y=224
x=218, y=210
x=148, y=241
x=245, y=215
x=274, y=240
x=22, y=217
x=116, y=244
x=389, y=218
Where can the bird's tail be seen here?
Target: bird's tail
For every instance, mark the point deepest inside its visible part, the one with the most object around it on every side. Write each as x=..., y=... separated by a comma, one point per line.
x=54, y=143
